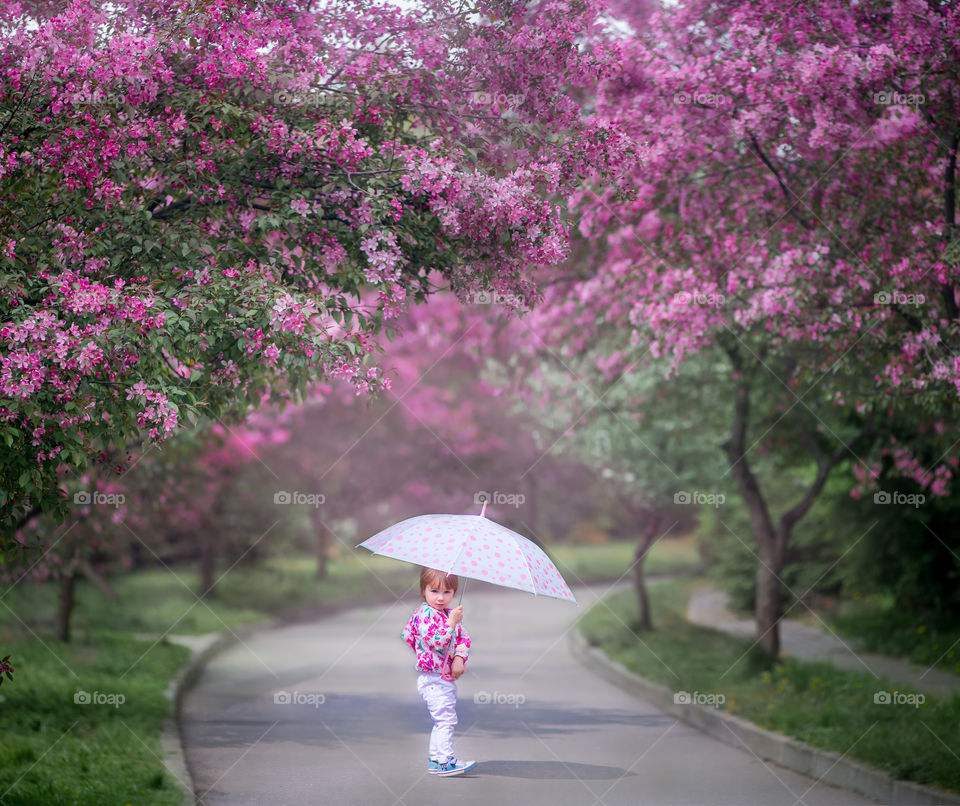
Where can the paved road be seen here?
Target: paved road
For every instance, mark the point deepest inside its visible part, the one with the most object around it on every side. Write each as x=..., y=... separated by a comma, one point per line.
x=545, y=729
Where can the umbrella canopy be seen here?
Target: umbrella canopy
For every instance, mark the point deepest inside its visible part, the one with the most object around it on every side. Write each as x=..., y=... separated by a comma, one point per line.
x=472, y=546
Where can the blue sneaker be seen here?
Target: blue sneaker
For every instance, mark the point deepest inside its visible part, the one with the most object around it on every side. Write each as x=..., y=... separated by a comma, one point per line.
x=456, y=767
x=434, y=767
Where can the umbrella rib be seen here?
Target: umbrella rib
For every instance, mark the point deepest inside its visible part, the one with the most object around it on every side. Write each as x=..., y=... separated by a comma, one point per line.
x=453, y=562
x=533, y=584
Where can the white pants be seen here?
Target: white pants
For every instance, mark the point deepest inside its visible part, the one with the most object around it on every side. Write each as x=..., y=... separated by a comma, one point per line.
x=441, y=698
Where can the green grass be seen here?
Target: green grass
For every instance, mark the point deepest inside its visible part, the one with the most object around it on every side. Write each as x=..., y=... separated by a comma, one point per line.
x=814, y=702
x=879, y=626
x=156, y=600
x=609, y=561
x=57, y=752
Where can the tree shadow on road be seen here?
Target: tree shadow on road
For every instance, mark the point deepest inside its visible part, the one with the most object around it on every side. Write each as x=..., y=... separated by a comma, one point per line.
x=551, y=720
x=353, y=718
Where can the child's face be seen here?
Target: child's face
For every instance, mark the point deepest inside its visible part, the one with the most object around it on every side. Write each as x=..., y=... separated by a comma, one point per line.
x=437, y=595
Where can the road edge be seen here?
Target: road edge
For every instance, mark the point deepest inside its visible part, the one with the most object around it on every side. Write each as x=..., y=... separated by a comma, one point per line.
x=823, y=765
x=202, y=648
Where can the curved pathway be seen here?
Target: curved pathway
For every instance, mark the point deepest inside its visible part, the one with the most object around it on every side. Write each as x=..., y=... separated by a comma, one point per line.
x=328, y=713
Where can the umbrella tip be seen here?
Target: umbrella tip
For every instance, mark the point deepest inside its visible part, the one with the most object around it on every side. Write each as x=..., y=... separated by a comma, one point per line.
x=483, y=508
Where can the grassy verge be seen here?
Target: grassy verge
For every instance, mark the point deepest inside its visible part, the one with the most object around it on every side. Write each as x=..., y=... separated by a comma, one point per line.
x=674, y=555
x=879, y=626
x=814, y=702
x=57, y=751
x=157, y=600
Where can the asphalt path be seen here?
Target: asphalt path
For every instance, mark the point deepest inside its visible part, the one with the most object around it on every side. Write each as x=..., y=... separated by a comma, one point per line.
x=328, y=713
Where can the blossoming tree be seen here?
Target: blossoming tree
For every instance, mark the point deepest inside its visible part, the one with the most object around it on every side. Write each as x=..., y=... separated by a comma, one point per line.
x=795, y=217
x=207, y=199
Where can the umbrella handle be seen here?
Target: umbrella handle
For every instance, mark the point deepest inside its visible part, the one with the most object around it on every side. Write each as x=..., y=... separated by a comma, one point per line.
x=446, y=652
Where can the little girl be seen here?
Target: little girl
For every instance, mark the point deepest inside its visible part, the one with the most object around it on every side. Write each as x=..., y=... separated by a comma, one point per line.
x=436, y=635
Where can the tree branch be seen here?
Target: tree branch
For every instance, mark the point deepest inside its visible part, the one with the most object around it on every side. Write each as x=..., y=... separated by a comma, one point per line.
x=824, y=467
x=950, y=220
x=735, y=448
x=787, y=193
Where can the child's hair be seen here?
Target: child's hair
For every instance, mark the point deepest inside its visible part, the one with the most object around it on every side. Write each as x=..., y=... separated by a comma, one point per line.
x=431, y=576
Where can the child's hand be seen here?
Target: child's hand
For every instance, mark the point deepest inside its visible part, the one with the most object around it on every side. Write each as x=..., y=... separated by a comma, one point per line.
x=456, y=616
x=457, y=668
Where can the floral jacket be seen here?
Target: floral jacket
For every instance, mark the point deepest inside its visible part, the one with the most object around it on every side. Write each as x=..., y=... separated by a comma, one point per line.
x=429, y=636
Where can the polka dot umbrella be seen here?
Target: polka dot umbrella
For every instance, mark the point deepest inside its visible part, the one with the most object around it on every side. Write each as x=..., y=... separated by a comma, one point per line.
x=472, y=546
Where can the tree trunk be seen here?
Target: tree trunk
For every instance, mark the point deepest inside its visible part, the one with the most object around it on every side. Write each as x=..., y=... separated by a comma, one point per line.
x=769, y=602
x=207, y=563
x=767, y=607
x=533, y=510
x=211, y=546
x=323, y=546
x=65, y=603
x=640, y=588
x=639, y=584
